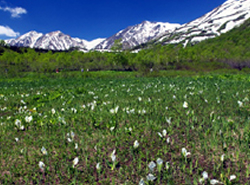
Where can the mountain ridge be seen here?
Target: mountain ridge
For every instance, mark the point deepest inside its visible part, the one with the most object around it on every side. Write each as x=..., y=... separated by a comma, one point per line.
x=55, y=40
x=221, y=19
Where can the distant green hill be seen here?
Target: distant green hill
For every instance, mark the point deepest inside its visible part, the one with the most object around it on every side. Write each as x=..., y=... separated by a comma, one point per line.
x=232, y=47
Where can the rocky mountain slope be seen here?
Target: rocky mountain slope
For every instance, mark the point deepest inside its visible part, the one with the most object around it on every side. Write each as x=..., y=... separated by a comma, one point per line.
x=138, y=34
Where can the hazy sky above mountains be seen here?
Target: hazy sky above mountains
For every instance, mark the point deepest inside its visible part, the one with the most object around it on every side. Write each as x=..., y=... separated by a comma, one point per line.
x=94, y=18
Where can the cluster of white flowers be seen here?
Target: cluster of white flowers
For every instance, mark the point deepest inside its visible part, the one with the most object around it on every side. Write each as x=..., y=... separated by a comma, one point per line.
x=114, y=110
x=19, y=125
x=70, y=136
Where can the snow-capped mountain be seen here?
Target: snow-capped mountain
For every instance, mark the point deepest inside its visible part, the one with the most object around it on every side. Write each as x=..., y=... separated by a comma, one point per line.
x=138, y=34
x=26, y=40
x=53, y=41
x=220, y=20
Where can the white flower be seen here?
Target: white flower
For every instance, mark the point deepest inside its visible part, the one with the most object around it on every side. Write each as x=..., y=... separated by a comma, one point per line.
x=205, y=175
x=28, y=119
x=159, y=134
x=168, y=140
x=214, y=181
x=16, y=139
x=75, y=162
x=112, y=128
x=159, y=161
x=41, y=165
x=136, y=144
x=240, y=103
x=167, y=165
x=185, y=105
x=151, y=177
x=113, y=156
x=184, y=152
x=151, y=165
x=76, y=146
x=222, y=157
x=44, y=151
x=164, y=133
x=139, y=99
x=141, y=182
x=17, y=122
x=168, y=120
x=98, y=166
x=232, y=177
x=53, y=111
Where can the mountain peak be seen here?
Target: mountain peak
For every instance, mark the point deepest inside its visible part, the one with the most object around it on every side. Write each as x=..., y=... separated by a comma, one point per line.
x=145, y=22
x=138, y=34
x=56, y=33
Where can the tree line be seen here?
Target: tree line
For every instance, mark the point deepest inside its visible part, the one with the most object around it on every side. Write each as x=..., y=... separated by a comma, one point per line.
x=230, y=50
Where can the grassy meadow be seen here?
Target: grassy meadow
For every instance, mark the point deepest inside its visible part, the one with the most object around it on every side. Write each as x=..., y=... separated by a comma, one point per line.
x=182, y=130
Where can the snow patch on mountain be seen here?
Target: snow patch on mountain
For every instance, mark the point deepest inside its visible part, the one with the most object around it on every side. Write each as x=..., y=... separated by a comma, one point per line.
x=220, y=20
x=92, y=44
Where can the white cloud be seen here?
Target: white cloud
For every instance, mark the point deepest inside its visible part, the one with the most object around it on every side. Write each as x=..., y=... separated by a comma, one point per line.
x=7, y=31
x=15, y=12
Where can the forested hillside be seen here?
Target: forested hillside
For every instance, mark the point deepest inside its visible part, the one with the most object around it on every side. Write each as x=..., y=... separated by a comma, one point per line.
x=230, y=50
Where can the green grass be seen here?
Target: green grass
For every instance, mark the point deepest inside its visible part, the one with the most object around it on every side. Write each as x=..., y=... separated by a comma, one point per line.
x=120, y=74
x=216, y=123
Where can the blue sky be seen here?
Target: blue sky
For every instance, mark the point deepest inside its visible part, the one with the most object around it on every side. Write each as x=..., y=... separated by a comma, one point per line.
x=94, y=18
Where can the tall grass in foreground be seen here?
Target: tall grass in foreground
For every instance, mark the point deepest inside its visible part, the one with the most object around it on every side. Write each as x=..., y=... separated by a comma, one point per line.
x=129, y=131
